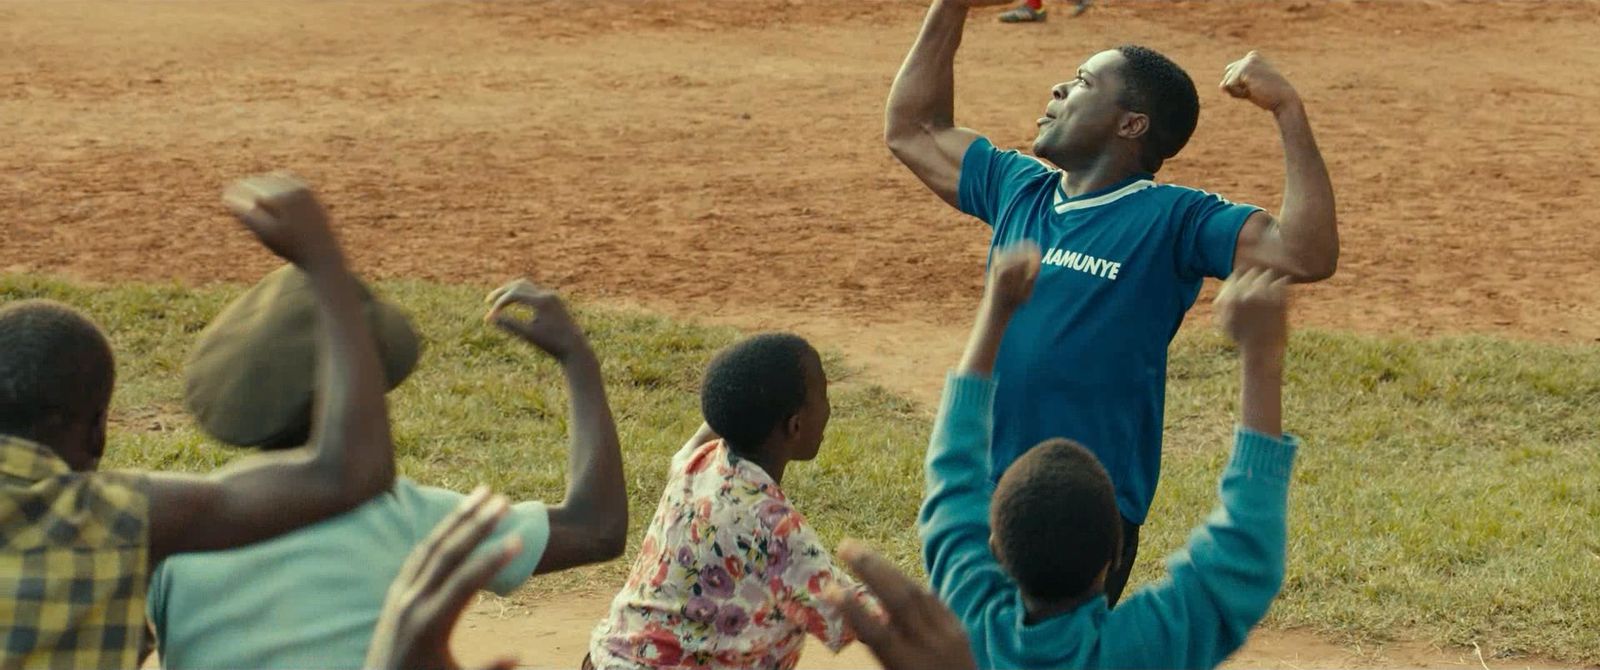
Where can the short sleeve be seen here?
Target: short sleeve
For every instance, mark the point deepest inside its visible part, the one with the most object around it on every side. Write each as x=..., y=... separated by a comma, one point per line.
x=809, y=574
x=1208, y=234
x=528, y=520
x=105, y=509
x=991, y=178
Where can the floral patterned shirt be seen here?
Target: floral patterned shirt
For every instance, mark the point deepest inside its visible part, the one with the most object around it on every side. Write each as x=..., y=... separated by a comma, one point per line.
x=729, y=576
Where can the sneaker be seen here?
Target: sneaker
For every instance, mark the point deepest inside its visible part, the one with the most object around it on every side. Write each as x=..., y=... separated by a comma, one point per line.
x=1023, y=14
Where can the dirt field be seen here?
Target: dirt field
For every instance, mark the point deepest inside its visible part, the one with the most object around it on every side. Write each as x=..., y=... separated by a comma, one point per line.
x=722, y=160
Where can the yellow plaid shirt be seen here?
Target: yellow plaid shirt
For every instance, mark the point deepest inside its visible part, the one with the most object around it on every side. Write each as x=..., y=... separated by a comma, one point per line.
x=74, y=548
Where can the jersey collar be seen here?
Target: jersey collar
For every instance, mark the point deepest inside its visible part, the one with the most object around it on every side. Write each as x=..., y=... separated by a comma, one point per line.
x=1064, y=203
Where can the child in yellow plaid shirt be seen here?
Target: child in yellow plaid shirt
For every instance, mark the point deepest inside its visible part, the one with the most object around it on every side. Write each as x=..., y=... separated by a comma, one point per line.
x=77, y=546
x=72, y=575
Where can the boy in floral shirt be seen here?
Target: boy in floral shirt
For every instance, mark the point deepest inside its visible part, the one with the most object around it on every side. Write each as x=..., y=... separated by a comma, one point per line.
x=730, y=575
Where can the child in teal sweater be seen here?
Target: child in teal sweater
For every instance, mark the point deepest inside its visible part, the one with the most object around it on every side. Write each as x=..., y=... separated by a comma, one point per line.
x=1023, y=563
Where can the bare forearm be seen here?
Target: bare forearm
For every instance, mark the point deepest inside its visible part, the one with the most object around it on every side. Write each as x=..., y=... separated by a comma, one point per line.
x=1261, y=398
x=983, y=346
x=1308, y=222
x=594, y=463
x=352, y=440
x=923, y=94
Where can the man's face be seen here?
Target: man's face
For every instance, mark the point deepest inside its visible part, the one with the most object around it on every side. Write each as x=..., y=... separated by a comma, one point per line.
x=1084, y=113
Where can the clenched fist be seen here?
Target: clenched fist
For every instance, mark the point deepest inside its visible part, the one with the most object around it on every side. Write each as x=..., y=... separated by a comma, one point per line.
x=1011, y=276
x=1253, y=310
x=285, y=215
x=1253, y=78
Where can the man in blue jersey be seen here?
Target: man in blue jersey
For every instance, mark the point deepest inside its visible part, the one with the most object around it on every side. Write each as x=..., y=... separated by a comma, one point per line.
x=1123, y=256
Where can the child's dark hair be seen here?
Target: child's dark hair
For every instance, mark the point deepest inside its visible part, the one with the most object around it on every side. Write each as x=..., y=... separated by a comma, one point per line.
x=752, y=386
x=1056, y=521
x=53, y=362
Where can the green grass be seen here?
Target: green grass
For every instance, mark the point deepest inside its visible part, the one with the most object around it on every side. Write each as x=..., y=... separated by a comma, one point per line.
x=1447, y=490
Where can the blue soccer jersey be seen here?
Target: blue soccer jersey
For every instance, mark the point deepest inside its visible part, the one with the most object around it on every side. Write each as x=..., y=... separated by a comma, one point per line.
x=1086, y=357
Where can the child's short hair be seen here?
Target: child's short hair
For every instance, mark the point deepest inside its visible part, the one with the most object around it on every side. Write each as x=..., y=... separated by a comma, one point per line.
x=53, y=360
x=752, y=386
x=1055, y=520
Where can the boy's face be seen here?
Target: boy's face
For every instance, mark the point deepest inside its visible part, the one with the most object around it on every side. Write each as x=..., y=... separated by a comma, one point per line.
x=814, y=414
x=81, y=440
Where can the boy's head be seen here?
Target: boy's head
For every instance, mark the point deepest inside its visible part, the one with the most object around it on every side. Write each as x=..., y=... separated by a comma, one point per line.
x=1054, y=522
x=56, y=376
x=1128, y=99
x=767, y=395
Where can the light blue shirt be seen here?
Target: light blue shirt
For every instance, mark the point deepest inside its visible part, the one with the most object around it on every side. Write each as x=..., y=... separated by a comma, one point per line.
x=311, y=598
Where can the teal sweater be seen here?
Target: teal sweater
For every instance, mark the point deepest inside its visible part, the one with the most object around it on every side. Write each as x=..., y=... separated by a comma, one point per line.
x=1217, y=587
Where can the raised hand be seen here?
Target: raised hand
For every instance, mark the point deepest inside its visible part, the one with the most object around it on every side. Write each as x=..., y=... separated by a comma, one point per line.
x=920, y=632
x=435, y=585
x=1011, y=276
x=550, y=328
x=1253, y=78
x=1253, y=310
x=284, y=214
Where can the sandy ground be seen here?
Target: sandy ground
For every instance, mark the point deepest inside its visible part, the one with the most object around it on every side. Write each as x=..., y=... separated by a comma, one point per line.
x=722, y=161
x=555, y=634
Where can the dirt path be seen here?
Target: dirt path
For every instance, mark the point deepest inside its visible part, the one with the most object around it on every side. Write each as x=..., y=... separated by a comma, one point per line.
x=718, y=162
x=555, y=634
x=703, y=154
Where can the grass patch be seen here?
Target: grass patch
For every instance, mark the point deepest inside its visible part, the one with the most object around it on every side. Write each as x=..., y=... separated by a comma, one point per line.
x=1447, y=490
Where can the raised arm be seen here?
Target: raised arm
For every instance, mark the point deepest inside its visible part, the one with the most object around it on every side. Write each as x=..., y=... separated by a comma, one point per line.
x=954, y=521
x=1010, y=284
x=350, y=457
x=1253, y=309
x=1302, y=241
x=1224, y=580
x=591, y=524
x=919, y=124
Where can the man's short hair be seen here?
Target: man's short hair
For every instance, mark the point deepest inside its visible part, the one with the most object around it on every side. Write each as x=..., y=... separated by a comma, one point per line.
x=1156, y=87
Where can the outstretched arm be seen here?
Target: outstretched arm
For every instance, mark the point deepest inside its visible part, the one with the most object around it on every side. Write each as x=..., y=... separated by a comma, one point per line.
x=954, y=521
x=591, y=524
x=1010, y=284
x=1224, y=580
x=919, y=124
x=350, y=457
x=1302, y=242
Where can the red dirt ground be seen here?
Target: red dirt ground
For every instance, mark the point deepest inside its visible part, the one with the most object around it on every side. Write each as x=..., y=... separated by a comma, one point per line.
x=722, y=159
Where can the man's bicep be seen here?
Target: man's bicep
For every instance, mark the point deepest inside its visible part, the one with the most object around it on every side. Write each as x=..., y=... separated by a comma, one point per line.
x=1259, y=244
x=935, y=157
